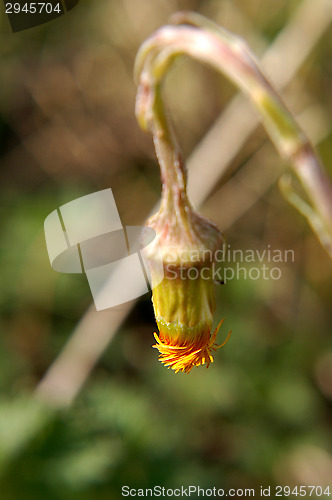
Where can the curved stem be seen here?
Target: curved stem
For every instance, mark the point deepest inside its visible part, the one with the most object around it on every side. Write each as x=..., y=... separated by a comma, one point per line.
x=208, y=43
x=152, y=116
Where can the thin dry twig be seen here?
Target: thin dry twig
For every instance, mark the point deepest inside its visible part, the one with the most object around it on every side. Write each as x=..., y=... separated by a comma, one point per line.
x=280, y=61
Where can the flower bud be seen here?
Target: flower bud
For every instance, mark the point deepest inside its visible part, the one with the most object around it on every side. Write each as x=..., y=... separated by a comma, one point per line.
x=184, y=300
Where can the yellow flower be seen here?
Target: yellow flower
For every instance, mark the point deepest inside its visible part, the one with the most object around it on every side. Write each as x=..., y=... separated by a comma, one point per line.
x=195, y=350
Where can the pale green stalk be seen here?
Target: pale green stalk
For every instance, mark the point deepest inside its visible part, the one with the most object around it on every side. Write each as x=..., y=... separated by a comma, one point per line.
x=228, y=54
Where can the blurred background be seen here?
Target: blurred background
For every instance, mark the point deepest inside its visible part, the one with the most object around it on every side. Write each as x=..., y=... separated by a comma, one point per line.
x=262, y=413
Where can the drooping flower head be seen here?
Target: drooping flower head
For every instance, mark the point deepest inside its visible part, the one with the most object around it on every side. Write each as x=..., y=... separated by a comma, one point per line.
x=183, y=295
x=184, y=299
